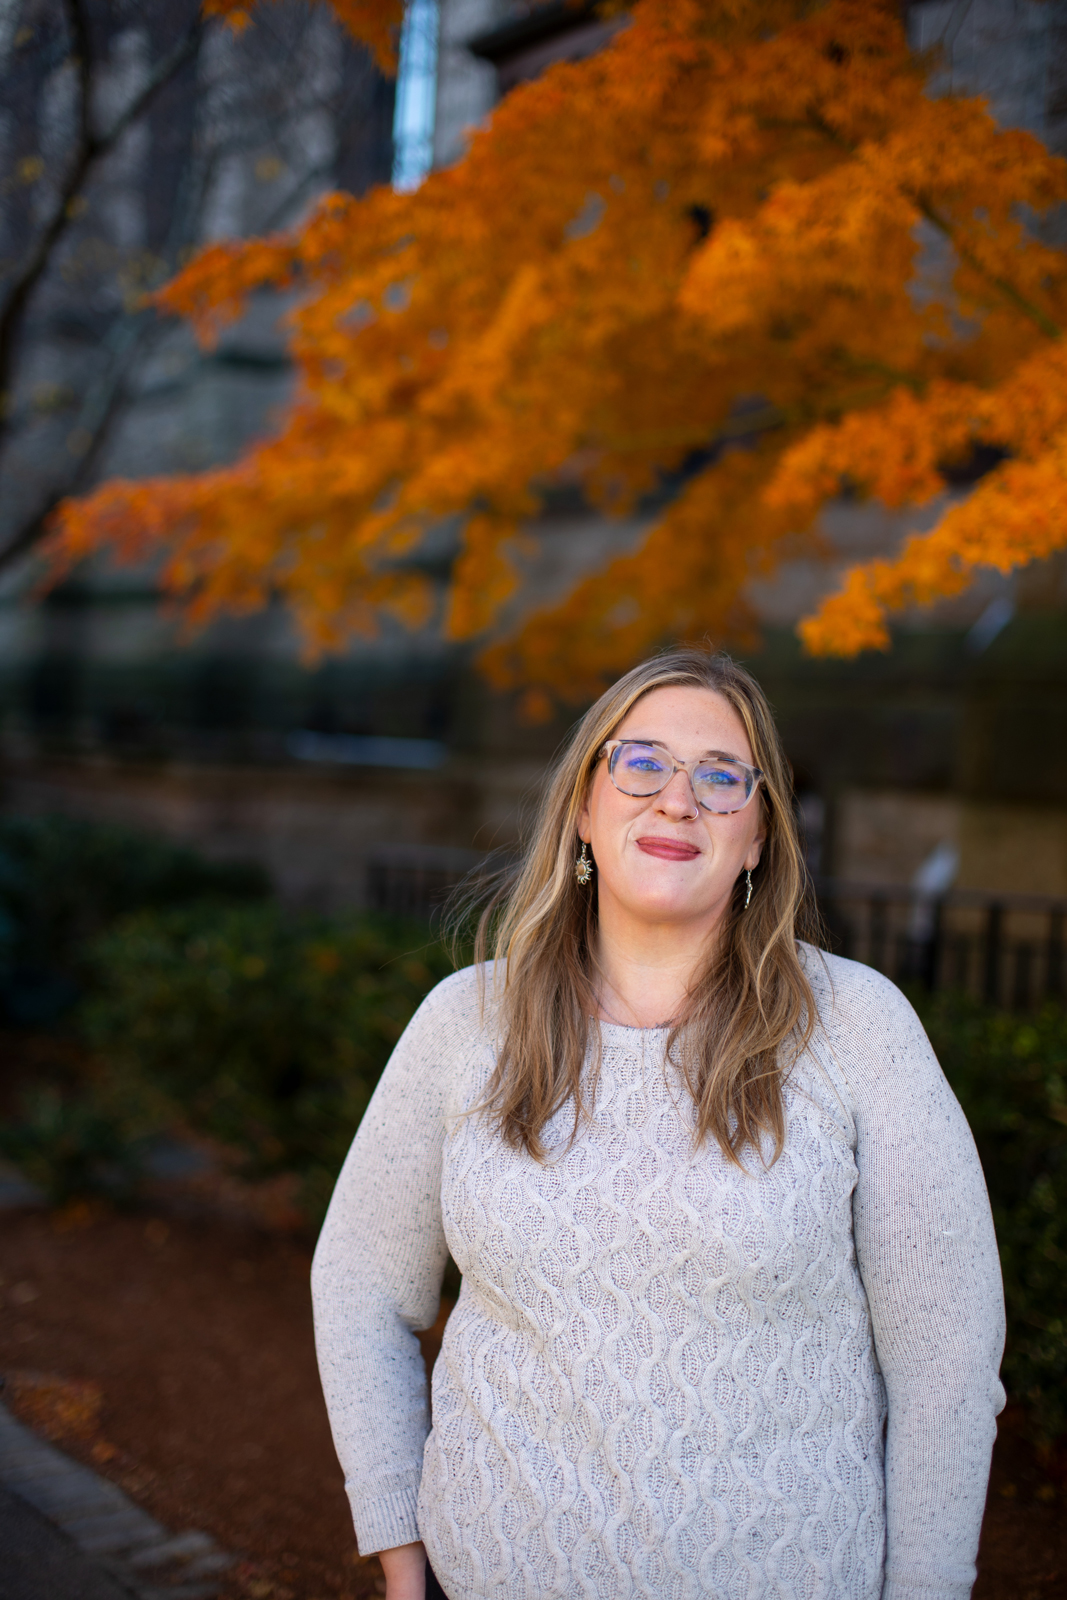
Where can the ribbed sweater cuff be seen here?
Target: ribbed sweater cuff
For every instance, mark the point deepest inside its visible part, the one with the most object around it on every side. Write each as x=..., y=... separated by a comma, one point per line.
x=894, y=1589
x=383, y=1523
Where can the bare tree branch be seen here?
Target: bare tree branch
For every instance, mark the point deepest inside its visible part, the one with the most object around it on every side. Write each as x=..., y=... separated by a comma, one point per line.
x=161, y=74
x=243, y=119
x=89, y=149
x=95, y=417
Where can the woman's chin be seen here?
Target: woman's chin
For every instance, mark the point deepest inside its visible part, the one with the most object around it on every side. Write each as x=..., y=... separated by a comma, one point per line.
x=664, y=903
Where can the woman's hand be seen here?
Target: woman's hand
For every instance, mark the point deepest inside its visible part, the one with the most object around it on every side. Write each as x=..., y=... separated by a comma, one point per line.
x=405, y=1572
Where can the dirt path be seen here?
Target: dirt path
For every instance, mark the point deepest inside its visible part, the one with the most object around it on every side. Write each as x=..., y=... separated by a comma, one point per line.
x=192, y=1346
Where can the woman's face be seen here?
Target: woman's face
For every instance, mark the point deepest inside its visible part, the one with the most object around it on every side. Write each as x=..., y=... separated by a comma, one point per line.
x=663, y=858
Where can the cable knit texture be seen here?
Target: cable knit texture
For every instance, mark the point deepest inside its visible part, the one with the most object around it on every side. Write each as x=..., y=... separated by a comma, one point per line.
x=667, y=1378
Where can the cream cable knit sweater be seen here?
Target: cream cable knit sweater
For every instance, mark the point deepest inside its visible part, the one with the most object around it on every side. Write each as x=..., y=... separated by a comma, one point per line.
x=667, y=1379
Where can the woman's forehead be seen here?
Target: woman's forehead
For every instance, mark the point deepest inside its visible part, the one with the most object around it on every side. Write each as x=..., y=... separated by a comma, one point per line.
x=690, y=721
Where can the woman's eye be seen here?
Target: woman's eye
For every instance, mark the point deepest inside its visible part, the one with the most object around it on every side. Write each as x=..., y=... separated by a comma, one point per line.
x=719, y=777
x=639, y=758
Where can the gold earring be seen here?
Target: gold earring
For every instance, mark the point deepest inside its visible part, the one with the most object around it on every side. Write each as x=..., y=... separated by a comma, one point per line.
x=748, y=889
x=583, y=868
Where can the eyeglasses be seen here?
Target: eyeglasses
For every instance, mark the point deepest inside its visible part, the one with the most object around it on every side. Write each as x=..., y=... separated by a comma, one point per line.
x=720, y=784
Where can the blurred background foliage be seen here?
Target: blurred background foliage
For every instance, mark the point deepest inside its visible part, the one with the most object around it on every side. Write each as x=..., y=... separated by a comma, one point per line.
x=1010, y=1073
x=199, y=1007
x=203, y=1009
x=63, y=880
x=264, y=1031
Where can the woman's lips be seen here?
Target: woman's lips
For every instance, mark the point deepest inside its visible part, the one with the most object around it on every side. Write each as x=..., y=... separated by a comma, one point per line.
x=668, y=849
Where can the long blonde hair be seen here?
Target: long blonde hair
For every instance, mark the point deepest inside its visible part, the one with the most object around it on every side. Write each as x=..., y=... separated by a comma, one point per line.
x=752, y=997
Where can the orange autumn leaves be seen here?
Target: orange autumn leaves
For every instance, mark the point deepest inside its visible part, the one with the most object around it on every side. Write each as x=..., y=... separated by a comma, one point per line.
x=1016, y=513
x=741, y=250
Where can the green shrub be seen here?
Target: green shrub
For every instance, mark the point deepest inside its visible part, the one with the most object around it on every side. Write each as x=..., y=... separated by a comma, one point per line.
x=264, y=1031
x=72, y=1147
x=63, y=880
x=1010, y=1073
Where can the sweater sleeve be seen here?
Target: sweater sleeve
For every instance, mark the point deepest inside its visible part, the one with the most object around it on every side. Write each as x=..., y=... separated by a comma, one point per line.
x=928, y=1257
x=377, y=1274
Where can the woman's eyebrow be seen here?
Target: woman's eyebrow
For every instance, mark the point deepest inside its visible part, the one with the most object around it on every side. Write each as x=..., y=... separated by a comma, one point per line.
x=722, y=755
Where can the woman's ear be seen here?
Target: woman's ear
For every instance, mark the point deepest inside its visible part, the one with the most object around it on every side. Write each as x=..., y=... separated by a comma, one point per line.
x=755, y=850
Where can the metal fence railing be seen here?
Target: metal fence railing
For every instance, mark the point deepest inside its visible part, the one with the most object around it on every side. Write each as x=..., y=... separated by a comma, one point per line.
x=1008, y=949
x=416, y=880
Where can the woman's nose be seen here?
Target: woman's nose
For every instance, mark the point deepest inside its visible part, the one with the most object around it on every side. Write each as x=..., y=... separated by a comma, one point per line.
x=678, y=799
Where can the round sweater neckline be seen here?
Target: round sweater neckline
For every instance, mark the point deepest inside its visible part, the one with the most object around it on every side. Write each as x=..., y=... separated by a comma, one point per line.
x=628, y=1027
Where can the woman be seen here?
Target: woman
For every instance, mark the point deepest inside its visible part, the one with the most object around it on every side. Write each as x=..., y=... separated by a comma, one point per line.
x=731, y=1316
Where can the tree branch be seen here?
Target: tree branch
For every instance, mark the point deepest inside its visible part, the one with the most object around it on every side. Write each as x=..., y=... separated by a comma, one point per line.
x=33, y=529
x=89, y=149
x=161, y=74
x=1040, y=318
x=78, y=29
x=95, y=417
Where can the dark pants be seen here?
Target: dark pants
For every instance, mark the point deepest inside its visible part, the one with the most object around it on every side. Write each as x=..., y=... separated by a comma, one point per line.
x=433, y=1588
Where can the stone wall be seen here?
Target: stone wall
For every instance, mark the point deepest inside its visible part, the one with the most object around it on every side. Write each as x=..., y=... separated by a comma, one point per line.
x=317, y=831
x=883, y=837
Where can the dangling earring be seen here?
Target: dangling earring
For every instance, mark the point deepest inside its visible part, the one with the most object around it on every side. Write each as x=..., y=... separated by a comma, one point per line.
x=748, y=889
x=583, y=868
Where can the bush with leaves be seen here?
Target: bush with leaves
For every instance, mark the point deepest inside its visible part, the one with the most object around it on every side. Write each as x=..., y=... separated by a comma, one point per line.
x=1010, y=1073
x=263, y=1031
x=63, y=880
x=71, y=1146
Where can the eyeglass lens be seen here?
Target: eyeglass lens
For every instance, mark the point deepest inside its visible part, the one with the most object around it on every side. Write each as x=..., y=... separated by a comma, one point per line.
x=643, y=769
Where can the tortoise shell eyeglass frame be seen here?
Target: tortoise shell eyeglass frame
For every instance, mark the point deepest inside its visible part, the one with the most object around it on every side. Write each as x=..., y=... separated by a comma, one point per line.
x=751, y=776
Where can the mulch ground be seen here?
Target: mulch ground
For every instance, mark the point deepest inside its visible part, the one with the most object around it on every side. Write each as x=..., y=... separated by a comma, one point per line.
x=176, y=1357
x=189, y=1346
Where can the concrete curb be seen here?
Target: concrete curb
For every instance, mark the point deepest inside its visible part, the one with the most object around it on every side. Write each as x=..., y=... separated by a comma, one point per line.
x=41, y=1563
x=138, y=1552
